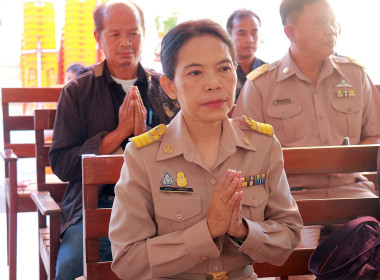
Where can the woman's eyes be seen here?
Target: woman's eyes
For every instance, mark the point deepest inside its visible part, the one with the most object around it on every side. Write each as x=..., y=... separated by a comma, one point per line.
x=225, y=68
x=221, y=69
x=195, y=73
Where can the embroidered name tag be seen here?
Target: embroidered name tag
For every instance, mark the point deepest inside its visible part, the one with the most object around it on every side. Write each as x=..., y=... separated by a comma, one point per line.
x=176, y=189
x=282, y=101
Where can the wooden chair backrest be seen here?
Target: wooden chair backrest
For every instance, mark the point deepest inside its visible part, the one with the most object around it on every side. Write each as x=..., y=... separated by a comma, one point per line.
x=49, y=216
x=324, y=160
x=44, y=122
x=11, y=123
x=311, y=160
x=97, y=170
x=18, y=193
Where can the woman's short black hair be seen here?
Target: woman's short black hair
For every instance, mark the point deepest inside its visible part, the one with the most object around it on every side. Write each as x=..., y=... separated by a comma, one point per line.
x=181, y=33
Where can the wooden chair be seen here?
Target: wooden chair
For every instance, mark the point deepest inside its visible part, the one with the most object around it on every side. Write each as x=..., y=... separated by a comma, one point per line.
x=17, y=195
x=311, y=160
x=49, y=192
x=97, y=170
x=323, y=160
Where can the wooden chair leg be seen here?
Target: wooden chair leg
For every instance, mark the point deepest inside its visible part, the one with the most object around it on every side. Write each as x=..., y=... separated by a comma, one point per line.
x=54, y=244
x=12, y=199
x=43, y=274
x=8, y=226
x=12, y=253
x=42, y=224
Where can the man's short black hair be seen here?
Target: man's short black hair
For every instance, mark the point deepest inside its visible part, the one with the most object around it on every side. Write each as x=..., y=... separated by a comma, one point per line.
x=241, y=13
x=290, y=8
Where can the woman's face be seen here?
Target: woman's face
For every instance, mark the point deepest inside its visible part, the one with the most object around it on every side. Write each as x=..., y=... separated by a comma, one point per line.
x=205, y=79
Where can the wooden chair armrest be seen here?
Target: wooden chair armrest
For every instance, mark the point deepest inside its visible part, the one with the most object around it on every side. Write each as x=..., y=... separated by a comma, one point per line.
x=8, y=155
x=45, y=203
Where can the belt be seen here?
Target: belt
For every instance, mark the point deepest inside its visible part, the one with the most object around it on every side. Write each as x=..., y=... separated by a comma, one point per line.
x=224, y=275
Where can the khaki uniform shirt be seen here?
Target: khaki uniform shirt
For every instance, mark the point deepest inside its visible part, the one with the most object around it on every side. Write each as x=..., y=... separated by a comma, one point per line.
x=158, y=234
x=344, y=102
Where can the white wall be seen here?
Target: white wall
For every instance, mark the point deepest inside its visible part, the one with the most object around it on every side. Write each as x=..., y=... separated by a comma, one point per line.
x=358, y=18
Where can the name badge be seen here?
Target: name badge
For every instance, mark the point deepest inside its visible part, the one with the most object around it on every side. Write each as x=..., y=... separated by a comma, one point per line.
x=282, y=101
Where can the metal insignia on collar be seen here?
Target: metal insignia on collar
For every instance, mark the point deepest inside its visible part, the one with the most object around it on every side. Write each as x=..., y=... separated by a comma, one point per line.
x=343, y=84
x=167, y=180
x=168, y=149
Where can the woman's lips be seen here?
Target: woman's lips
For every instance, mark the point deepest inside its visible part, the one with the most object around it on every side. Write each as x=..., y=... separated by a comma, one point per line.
x=214, y=103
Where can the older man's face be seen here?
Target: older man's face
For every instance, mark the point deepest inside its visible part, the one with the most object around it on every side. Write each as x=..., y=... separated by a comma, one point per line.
x=122, y=36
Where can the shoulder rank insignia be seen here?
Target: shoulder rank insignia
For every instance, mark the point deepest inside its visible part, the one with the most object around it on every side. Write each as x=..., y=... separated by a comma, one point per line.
x=355, y=62
x=258, y=71
x=258, y=126
x=149, y=137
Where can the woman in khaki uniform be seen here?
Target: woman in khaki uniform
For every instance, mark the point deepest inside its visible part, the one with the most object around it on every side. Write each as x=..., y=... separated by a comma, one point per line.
x=206, y=196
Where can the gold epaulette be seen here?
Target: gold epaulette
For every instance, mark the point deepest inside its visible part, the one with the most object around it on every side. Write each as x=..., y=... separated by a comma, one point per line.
x=356, y=62
x=149, y=137
x=258, y=71
x=263, y=128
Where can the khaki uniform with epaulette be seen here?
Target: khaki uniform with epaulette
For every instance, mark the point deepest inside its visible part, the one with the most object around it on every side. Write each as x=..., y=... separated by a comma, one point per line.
x=343, y=103
x=163, y=197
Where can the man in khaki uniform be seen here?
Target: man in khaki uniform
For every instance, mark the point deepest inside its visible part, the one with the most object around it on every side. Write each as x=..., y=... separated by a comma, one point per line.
x=169, y=223
x=312, y=98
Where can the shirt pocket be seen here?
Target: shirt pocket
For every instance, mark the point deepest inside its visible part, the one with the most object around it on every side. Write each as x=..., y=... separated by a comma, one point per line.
x=175, y=213
x=348, y=116
x=286, y=119
x=254, y=201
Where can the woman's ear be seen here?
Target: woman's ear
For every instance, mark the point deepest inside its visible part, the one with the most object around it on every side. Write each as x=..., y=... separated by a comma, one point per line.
x=168, y=87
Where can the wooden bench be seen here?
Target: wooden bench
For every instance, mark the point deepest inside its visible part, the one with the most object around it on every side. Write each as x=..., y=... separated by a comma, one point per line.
x=312, y=160
x=18, y=194
x=324, y=160
x=49, y=192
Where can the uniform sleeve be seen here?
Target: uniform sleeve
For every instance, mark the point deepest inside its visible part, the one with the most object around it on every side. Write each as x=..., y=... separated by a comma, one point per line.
x=69, y=137
x=274, y=239
x=371, y=110
x=250, y=103
x=138, y=253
